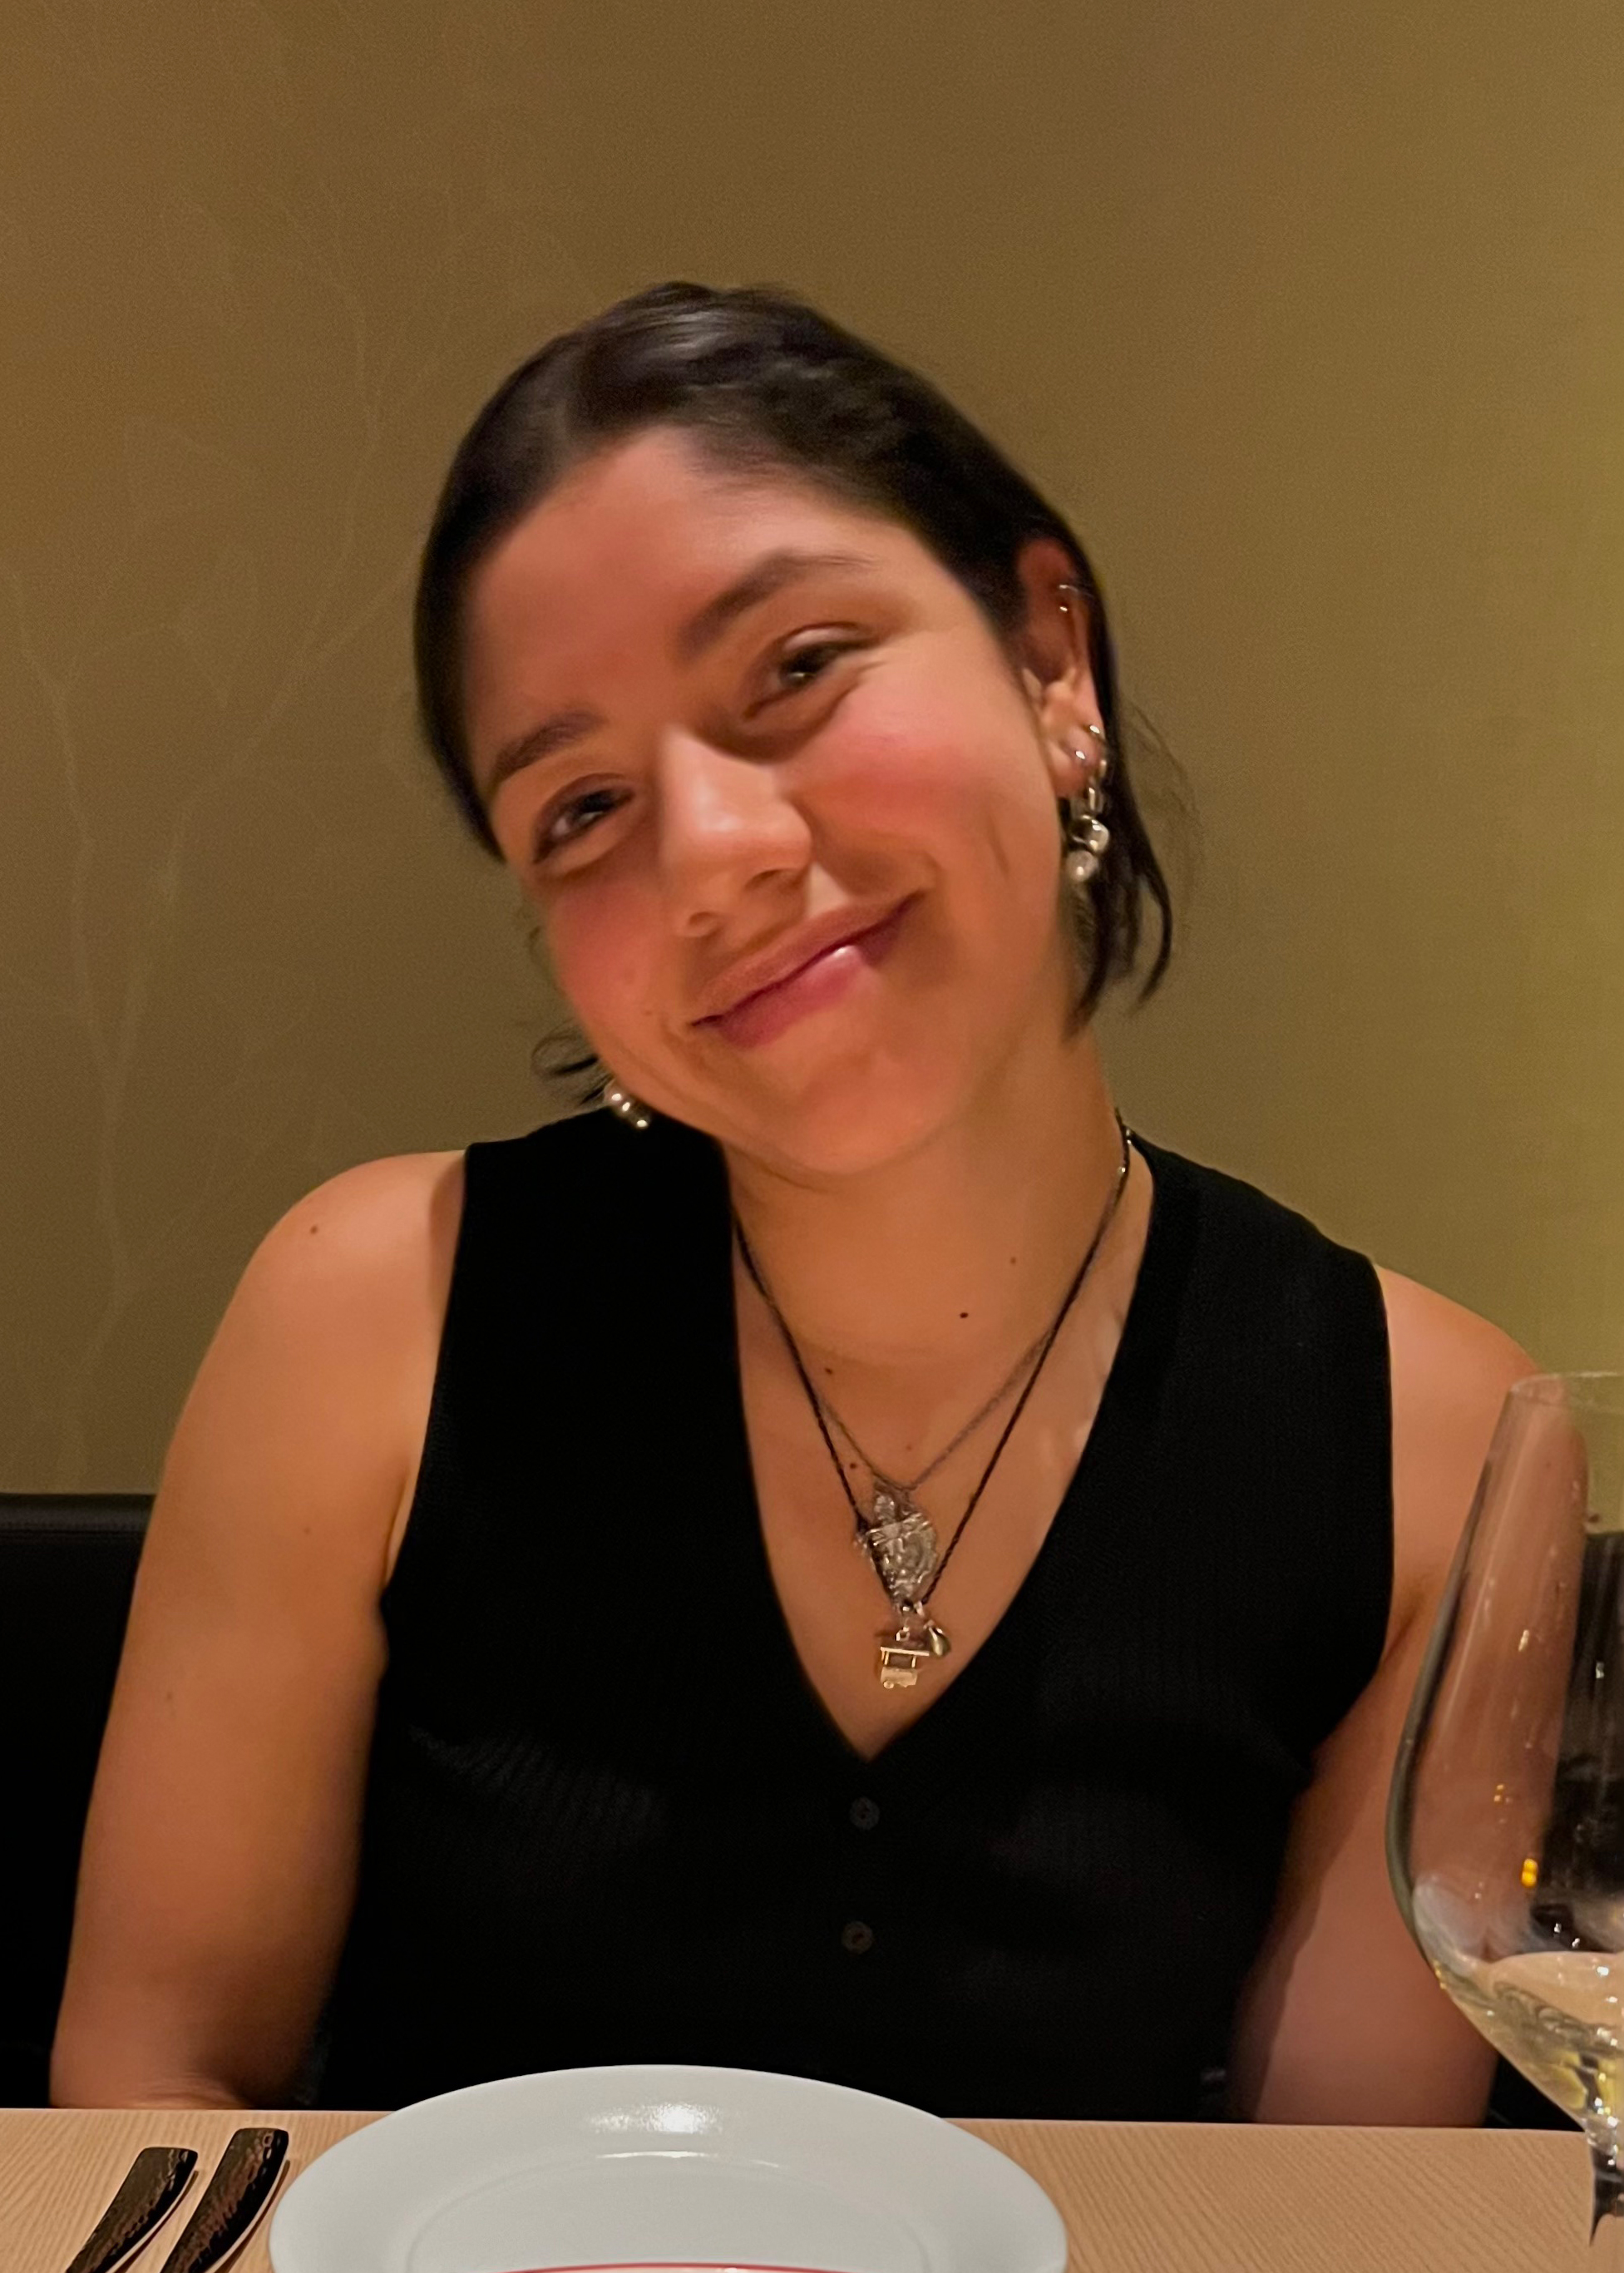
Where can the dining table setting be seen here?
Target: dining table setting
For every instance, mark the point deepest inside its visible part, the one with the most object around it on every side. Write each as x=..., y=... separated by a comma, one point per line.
x=1127, y=2197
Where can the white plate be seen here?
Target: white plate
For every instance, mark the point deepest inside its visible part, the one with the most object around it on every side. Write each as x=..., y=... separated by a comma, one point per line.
x=660, y=2166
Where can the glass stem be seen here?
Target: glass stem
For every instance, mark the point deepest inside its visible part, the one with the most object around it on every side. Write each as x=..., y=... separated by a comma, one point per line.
x=1607, y=2174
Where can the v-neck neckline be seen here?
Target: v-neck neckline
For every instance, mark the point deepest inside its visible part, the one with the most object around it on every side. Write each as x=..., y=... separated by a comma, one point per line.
x=1142, y=1329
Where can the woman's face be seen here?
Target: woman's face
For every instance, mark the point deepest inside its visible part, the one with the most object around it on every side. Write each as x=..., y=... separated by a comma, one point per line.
x=784, y=803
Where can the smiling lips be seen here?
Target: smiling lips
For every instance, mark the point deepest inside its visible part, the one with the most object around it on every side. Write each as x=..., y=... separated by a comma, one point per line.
x=821, y=970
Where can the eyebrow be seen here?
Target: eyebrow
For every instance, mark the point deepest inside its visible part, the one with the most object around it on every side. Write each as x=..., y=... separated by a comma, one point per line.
x=537, y=742
x=758, y=582
x=765, y=577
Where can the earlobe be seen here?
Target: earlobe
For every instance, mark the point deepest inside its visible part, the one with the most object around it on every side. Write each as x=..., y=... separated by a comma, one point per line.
x=1061, y=751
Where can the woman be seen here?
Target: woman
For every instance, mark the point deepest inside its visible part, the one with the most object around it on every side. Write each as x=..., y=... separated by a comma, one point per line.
x=503, y=1688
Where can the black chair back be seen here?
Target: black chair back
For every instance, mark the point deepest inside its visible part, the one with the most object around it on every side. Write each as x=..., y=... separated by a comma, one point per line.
x=67, y=1566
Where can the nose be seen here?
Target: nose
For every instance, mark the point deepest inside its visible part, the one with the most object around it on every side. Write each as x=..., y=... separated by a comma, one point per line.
x=726, y=828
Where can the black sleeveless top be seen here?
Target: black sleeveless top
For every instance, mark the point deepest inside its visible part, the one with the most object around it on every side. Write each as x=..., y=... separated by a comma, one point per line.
x=608, y=1819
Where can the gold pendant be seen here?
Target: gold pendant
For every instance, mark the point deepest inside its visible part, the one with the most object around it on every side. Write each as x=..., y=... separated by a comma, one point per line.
x=902, y=1654
x=900, y=1659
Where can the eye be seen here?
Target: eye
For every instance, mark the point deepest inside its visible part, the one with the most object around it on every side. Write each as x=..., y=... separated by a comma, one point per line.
x=796, y=668
x=563, y=823
x=802, y=664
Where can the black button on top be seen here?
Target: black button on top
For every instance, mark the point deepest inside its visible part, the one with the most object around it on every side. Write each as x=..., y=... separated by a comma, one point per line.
x=865, y=1814
x=857, y=1938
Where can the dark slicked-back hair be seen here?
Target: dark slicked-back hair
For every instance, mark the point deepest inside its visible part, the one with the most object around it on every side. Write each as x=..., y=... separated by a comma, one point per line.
x=763, y=381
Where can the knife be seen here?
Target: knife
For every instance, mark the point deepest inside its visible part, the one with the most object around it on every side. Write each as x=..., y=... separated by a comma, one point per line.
x=244, y=2179
x=153, y=2185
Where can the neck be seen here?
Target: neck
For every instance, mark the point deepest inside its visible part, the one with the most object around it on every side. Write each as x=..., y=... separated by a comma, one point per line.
x=933, y=1272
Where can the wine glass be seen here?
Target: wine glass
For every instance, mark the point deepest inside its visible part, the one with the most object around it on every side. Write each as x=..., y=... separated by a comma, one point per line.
x=1505, y=1822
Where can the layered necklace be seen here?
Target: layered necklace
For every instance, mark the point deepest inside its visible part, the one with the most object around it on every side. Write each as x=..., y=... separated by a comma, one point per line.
x=902, y=1543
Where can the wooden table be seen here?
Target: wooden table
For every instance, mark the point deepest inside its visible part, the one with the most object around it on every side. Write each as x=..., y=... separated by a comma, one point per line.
x=1137, y=2198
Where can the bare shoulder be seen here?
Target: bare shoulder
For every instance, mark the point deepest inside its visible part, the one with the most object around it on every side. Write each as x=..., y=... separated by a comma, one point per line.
x=1446, y=1360
x=307, y=1416
x=372, y=1232
x=1450, y=1372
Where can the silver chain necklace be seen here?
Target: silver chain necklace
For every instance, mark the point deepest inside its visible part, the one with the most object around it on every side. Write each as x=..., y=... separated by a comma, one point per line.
x=899, y=1539
x=1006, y=1388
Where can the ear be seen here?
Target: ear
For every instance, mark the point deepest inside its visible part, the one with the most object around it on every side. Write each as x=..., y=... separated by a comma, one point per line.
x=1053, y=647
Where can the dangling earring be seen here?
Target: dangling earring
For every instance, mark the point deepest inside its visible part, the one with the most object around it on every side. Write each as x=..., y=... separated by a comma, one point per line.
x=627, y=1107
x=1086, y=836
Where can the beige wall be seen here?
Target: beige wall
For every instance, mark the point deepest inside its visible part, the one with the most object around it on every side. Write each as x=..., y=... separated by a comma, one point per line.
x=1313, y=318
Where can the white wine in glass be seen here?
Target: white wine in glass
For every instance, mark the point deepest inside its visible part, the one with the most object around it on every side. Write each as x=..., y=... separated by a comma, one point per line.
x=1506, y=1824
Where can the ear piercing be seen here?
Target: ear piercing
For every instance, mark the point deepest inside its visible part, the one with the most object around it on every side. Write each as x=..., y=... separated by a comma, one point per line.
x=627, y=1107
x=1086, y=836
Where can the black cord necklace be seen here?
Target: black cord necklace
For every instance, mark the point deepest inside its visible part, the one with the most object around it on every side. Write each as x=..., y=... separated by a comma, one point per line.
x=898, y=1537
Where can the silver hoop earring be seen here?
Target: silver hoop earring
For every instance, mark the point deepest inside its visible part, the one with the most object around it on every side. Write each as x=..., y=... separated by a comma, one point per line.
x=1086, y=838
x=627, y=1107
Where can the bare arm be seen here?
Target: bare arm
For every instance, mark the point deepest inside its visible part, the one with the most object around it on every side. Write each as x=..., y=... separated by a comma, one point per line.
x=1342, y=2021
x=219, y=1855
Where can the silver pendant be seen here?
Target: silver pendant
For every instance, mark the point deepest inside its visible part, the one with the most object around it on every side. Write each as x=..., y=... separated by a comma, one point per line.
x=900, y=1543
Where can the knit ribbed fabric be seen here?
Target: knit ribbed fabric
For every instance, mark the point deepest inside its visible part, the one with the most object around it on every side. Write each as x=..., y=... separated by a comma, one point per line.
x=607, y=1819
